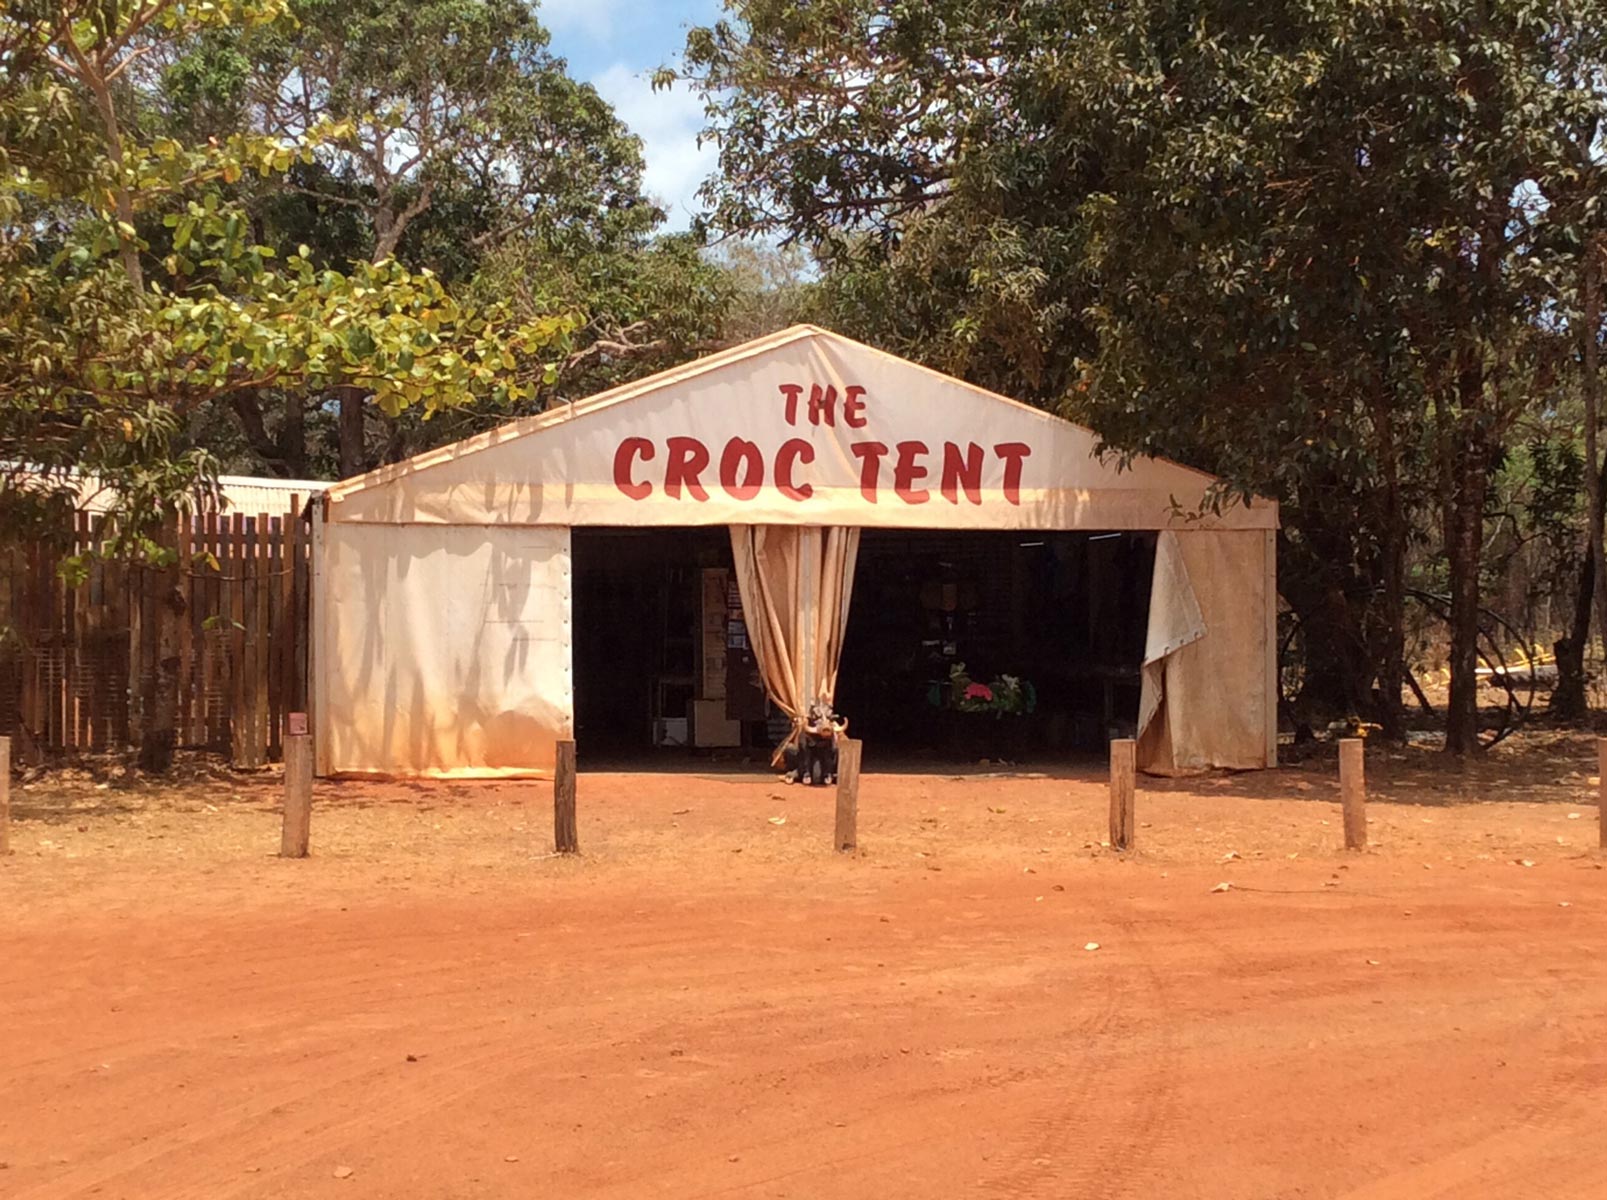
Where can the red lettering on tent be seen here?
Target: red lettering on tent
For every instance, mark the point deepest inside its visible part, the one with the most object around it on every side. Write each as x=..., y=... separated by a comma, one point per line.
x=792, y=391
x=794, y=450
x=630, y=448
x=1013, y=453
x=741, y=454
x=853, y=407
x=822, y=403
x=688, y=458
x=906, y=471
x=961, y=472
x=870, y=466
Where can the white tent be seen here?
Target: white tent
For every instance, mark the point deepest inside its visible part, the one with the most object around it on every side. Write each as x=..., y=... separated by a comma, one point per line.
x=442, y=597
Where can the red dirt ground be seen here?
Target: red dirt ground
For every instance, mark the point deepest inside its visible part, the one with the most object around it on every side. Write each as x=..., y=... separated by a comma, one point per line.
x=712, y=1004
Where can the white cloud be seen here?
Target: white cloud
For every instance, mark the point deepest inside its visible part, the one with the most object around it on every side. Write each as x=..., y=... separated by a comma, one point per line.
x=595, y=19
x=668, y=123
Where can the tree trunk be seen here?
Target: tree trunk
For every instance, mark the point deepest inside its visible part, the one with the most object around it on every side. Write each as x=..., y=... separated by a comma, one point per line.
x=1590, y=390
x=1389, y=630
x=1332, y=595
x=160, y=734
x=1464, y=546
x=247, y=406
x=395, y=440
x=1338, y=676
x=1568, y=700
x=1390, y=654
x=353, y=452
x=293, y=436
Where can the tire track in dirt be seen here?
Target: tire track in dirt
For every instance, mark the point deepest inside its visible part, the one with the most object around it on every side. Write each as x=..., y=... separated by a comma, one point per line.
x=1062, y=1150
x=1151, y=1130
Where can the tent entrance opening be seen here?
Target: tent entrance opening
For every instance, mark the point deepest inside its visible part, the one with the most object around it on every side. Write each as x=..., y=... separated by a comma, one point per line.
x=1045, y=631
x=660, y=652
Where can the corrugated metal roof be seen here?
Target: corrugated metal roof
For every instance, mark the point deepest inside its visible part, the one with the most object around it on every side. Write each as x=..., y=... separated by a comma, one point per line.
x=247, y=494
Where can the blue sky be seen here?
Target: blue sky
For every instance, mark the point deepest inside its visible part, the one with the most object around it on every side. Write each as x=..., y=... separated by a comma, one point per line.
x=616, y=44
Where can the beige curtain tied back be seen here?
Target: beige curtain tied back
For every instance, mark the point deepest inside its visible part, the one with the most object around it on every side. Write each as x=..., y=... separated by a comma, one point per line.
x=796, y=581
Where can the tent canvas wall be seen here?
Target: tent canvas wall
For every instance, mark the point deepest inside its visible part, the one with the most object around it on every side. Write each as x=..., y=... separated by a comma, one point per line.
x=442, y=595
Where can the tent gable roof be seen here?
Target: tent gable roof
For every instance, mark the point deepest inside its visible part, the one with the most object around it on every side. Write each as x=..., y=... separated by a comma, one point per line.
x=797, y=427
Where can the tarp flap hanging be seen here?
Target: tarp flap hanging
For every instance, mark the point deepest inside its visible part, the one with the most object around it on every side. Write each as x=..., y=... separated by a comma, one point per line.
x=796, y=582
x=1204, y=698
x=1174, y=622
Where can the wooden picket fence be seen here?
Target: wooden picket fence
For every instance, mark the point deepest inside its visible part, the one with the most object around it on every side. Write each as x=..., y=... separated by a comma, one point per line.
x=78, y=664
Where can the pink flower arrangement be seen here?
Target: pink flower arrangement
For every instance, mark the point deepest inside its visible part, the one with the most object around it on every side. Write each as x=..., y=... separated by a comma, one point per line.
x=979, y=691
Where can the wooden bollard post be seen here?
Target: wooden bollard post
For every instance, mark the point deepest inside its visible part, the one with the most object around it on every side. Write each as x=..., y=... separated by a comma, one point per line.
x=5, y=796
x=847, y=835
x=565, y=834
x=1601, y=792
x=1123, y=783
x=1353, y=791
x=296, y=834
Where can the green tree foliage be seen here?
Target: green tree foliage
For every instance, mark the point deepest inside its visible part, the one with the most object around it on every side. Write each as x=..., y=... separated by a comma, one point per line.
x=771, y=287
x=464, y=148
x=452, y=103
x=1328, y=250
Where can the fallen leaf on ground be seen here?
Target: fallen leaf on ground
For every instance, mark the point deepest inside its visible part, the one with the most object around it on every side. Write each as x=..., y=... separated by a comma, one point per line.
x=778, y=820
x=1223, y=887
x=343, y=1172
x=1091, y=946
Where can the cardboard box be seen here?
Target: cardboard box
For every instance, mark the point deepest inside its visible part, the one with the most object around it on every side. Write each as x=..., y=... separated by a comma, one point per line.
x=711, y=727
x=713, y=676
x=713, y=608
x=669, y=731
